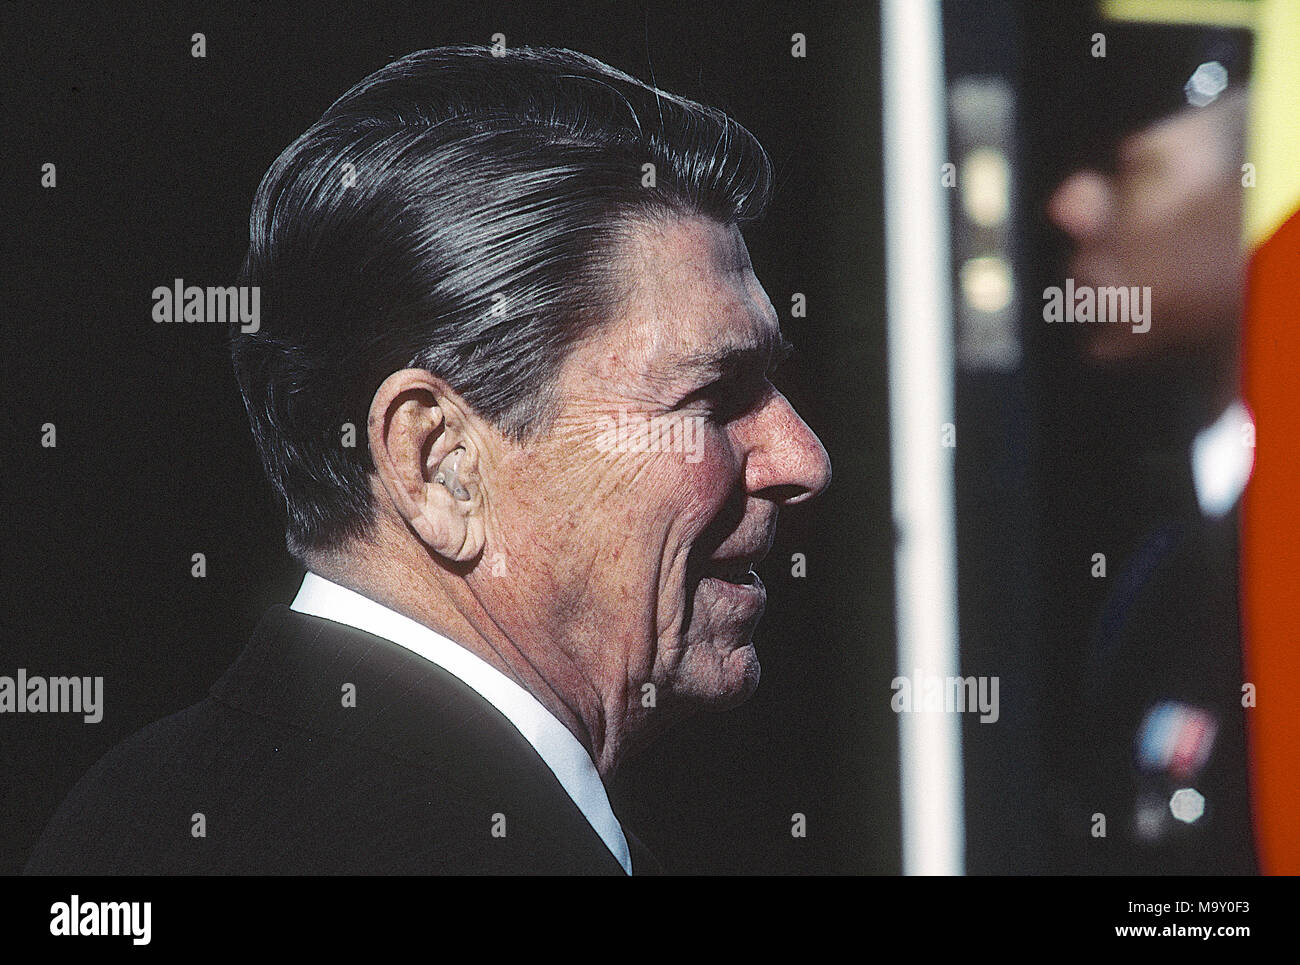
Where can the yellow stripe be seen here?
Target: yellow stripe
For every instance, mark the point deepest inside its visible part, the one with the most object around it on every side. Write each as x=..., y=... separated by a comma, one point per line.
x=1273, y=142
x=1205, y=13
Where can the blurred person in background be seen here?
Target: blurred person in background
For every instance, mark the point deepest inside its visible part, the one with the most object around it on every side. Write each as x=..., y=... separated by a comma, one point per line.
x=1156, y=779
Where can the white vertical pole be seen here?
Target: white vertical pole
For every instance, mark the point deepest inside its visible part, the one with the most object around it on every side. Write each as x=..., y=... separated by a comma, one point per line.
x=919, y=306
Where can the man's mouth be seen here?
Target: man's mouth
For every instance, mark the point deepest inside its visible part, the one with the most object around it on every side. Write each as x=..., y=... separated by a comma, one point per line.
x=733, y=578
x=723, y=560
x=740, y=572
x=736, y=583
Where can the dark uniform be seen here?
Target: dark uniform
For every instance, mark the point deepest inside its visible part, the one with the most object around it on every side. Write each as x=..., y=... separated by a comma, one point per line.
x=1154, y=778
x=1161, y=740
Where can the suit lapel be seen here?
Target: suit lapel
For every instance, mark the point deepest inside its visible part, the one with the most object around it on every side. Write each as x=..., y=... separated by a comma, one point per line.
x=345, y=684
x=644, y=862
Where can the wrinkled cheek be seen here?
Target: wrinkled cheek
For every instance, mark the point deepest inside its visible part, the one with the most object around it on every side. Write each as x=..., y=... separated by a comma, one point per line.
x=711, y=472
x=684, y=491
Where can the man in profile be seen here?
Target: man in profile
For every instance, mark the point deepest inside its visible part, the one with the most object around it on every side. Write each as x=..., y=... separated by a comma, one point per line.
x=474, y=266
x=1159, y=731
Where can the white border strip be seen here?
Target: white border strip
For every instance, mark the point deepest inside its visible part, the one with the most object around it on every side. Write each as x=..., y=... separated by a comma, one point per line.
x=919, y=304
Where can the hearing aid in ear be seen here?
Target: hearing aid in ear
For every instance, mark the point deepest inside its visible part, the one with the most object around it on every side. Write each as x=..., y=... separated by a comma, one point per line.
x=447, y=475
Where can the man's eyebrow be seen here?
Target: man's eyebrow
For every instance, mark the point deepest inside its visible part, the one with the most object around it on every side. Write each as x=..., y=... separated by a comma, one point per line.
x=734, y=359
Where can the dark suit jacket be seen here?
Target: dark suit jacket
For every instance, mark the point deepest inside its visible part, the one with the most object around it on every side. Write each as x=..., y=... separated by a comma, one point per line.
x=1170, y=632
x=413, y=779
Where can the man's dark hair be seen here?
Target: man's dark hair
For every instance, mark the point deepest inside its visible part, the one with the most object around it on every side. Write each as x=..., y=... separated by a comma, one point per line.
x=462, y=213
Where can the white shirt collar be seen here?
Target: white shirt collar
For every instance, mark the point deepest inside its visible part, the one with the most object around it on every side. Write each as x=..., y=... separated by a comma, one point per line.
x=554, y=742
x=1223, y=455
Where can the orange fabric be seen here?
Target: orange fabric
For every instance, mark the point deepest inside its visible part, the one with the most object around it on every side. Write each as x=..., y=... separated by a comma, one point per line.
x=1271, y=545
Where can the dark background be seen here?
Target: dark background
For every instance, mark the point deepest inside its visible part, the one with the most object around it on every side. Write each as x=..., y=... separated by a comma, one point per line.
x=158, y=155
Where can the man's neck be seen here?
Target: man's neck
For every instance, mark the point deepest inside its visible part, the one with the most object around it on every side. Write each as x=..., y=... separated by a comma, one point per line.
x=449, y=604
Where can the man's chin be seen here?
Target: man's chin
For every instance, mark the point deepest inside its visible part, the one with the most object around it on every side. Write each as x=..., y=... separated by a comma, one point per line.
x=1117, y=350
x=742, y=692
x=729, y=680
x=720, y=669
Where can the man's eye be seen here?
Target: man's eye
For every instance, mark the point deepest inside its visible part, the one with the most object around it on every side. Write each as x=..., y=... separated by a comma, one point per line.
x=732, y=399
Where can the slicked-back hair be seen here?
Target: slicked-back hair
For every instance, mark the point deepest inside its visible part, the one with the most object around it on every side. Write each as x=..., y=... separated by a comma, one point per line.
x=462, y=213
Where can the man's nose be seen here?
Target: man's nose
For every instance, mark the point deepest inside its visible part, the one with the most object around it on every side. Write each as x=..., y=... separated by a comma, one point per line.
x=1080, y=205
x=786, y=461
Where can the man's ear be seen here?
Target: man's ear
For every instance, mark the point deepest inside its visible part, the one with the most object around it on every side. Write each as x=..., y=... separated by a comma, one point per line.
x=427, y=461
